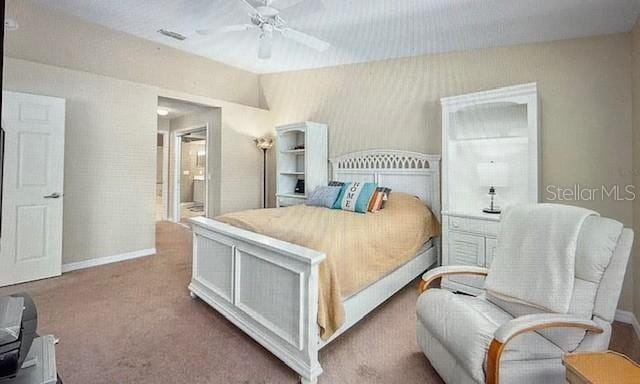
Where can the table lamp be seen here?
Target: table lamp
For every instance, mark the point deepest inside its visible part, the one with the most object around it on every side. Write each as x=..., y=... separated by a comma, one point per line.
x=493, y=174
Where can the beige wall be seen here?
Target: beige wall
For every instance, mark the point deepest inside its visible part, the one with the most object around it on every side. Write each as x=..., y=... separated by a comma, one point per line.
x=583, y=85
x=242, y=161
x=49, y=37
x=110, y=157
x=635, y=46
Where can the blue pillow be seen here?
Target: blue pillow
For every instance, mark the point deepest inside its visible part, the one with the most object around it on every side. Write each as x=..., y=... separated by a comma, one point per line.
x=324, y=196
x=355, y=196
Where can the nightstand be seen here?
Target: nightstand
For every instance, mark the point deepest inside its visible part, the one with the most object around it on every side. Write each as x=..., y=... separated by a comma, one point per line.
x=601, y=368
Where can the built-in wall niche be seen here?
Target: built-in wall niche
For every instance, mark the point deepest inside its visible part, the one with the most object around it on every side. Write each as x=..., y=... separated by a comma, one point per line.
x=490, y=139
x=469, y=186
x=494, y=120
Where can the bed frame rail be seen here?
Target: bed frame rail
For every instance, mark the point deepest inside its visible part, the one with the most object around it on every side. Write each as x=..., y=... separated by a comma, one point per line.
x=267, y=287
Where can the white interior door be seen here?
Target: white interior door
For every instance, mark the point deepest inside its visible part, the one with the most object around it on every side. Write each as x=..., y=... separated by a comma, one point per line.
x=32, y=187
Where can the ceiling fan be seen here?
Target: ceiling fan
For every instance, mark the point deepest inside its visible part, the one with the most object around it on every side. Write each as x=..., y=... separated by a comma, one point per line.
x=266, y=19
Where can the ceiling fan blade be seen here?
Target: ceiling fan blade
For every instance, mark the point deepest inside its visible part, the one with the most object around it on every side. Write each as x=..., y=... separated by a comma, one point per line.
x=304, y=39
x=225, y=29
x=294, y=9
x=251, y=8
x=285, y=4
x=208, y=31
x=265, y=44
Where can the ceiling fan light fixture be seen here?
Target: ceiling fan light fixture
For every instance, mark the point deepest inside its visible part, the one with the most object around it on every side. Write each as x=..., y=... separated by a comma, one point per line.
x=267, y=19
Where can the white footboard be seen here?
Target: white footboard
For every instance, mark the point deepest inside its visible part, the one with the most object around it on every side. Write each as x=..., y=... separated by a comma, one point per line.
x=266, y=287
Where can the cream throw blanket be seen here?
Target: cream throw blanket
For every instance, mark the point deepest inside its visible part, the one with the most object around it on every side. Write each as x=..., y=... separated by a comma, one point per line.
x=535, y=259
x=360, y=248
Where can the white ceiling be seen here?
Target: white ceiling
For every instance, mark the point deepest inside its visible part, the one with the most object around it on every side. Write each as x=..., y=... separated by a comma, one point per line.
x=359, y=30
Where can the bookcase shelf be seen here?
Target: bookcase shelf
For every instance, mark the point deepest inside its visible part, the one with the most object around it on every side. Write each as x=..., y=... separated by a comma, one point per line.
x=309, y=164
x=298, y=152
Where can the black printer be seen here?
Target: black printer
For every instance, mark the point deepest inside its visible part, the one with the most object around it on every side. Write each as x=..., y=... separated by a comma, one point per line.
x=18, y=324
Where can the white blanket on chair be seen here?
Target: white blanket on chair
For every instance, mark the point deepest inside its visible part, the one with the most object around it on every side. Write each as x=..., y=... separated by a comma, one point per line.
x=535, y=258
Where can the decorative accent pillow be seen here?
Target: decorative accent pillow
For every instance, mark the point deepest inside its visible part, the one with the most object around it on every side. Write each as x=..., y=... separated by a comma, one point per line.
x=376, y=202
x=355, y=196
x=385, y=194
x=324, y=196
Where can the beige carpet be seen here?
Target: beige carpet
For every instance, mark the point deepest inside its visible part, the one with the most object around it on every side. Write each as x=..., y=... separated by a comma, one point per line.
x=134, y=322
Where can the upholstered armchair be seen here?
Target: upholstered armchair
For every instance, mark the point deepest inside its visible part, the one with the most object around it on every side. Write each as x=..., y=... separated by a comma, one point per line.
x=478, y=339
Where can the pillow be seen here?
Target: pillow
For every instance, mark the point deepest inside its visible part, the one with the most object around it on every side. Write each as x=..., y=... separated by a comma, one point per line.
x=355, y=196
x=324, y=196
x=385, y=194
x=376, y=202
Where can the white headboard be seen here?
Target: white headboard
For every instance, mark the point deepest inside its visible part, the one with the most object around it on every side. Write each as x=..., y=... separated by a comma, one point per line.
x=409, y=172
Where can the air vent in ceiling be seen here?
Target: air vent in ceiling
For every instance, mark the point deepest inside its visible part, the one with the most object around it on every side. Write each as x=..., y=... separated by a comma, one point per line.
x=173, y=35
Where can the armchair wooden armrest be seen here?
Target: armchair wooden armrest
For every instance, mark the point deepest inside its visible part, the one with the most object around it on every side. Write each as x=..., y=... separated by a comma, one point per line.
x=529, y=323
x=438, y=273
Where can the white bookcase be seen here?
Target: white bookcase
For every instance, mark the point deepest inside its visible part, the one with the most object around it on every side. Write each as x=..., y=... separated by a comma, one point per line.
x=309, y=163
x=499, y=128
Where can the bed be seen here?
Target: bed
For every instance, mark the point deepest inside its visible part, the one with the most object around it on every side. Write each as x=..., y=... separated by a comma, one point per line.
x=269, y=288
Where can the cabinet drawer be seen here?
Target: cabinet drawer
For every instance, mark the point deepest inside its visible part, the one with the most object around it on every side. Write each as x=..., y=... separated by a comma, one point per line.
x=466, y=224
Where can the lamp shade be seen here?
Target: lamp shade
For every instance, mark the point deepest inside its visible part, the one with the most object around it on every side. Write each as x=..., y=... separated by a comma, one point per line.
x=264, y=142
x=493, y=174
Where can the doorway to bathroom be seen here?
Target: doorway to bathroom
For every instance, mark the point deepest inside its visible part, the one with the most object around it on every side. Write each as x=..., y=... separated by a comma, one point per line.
x=190, y=183
x=194, y=157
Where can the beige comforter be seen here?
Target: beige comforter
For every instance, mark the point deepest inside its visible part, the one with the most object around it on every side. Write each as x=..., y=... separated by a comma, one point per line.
x=360, y=248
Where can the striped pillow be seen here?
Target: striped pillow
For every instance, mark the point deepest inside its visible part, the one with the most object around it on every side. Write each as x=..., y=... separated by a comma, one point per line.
x=380, y=196
x=376, y=202
x=355, y=196
x=385, y=191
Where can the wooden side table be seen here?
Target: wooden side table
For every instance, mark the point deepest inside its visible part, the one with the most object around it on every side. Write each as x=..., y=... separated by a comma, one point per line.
x=601, y=368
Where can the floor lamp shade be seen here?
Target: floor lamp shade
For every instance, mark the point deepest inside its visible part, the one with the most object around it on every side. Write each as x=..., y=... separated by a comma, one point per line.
x=264, y=143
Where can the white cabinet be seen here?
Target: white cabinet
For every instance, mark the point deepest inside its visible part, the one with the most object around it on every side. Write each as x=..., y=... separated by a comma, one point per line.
x=489, y=249
x=302, y=158
x=468, y=241
x=490, y=140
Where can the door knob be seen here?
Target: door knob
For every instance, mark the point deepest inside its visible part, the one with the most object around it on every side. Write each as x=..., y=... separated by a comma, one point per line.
x=54, y=195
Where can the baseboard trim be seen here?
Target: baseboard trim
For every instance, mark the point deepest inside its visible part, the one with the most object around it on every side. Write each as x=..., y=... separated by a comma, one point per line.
x=107, y=260
x=628, y=318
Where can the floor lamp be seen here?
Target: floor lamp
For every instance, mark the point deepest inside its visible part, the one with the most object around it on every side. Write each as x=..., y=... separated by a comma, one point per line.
x=264, y=143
